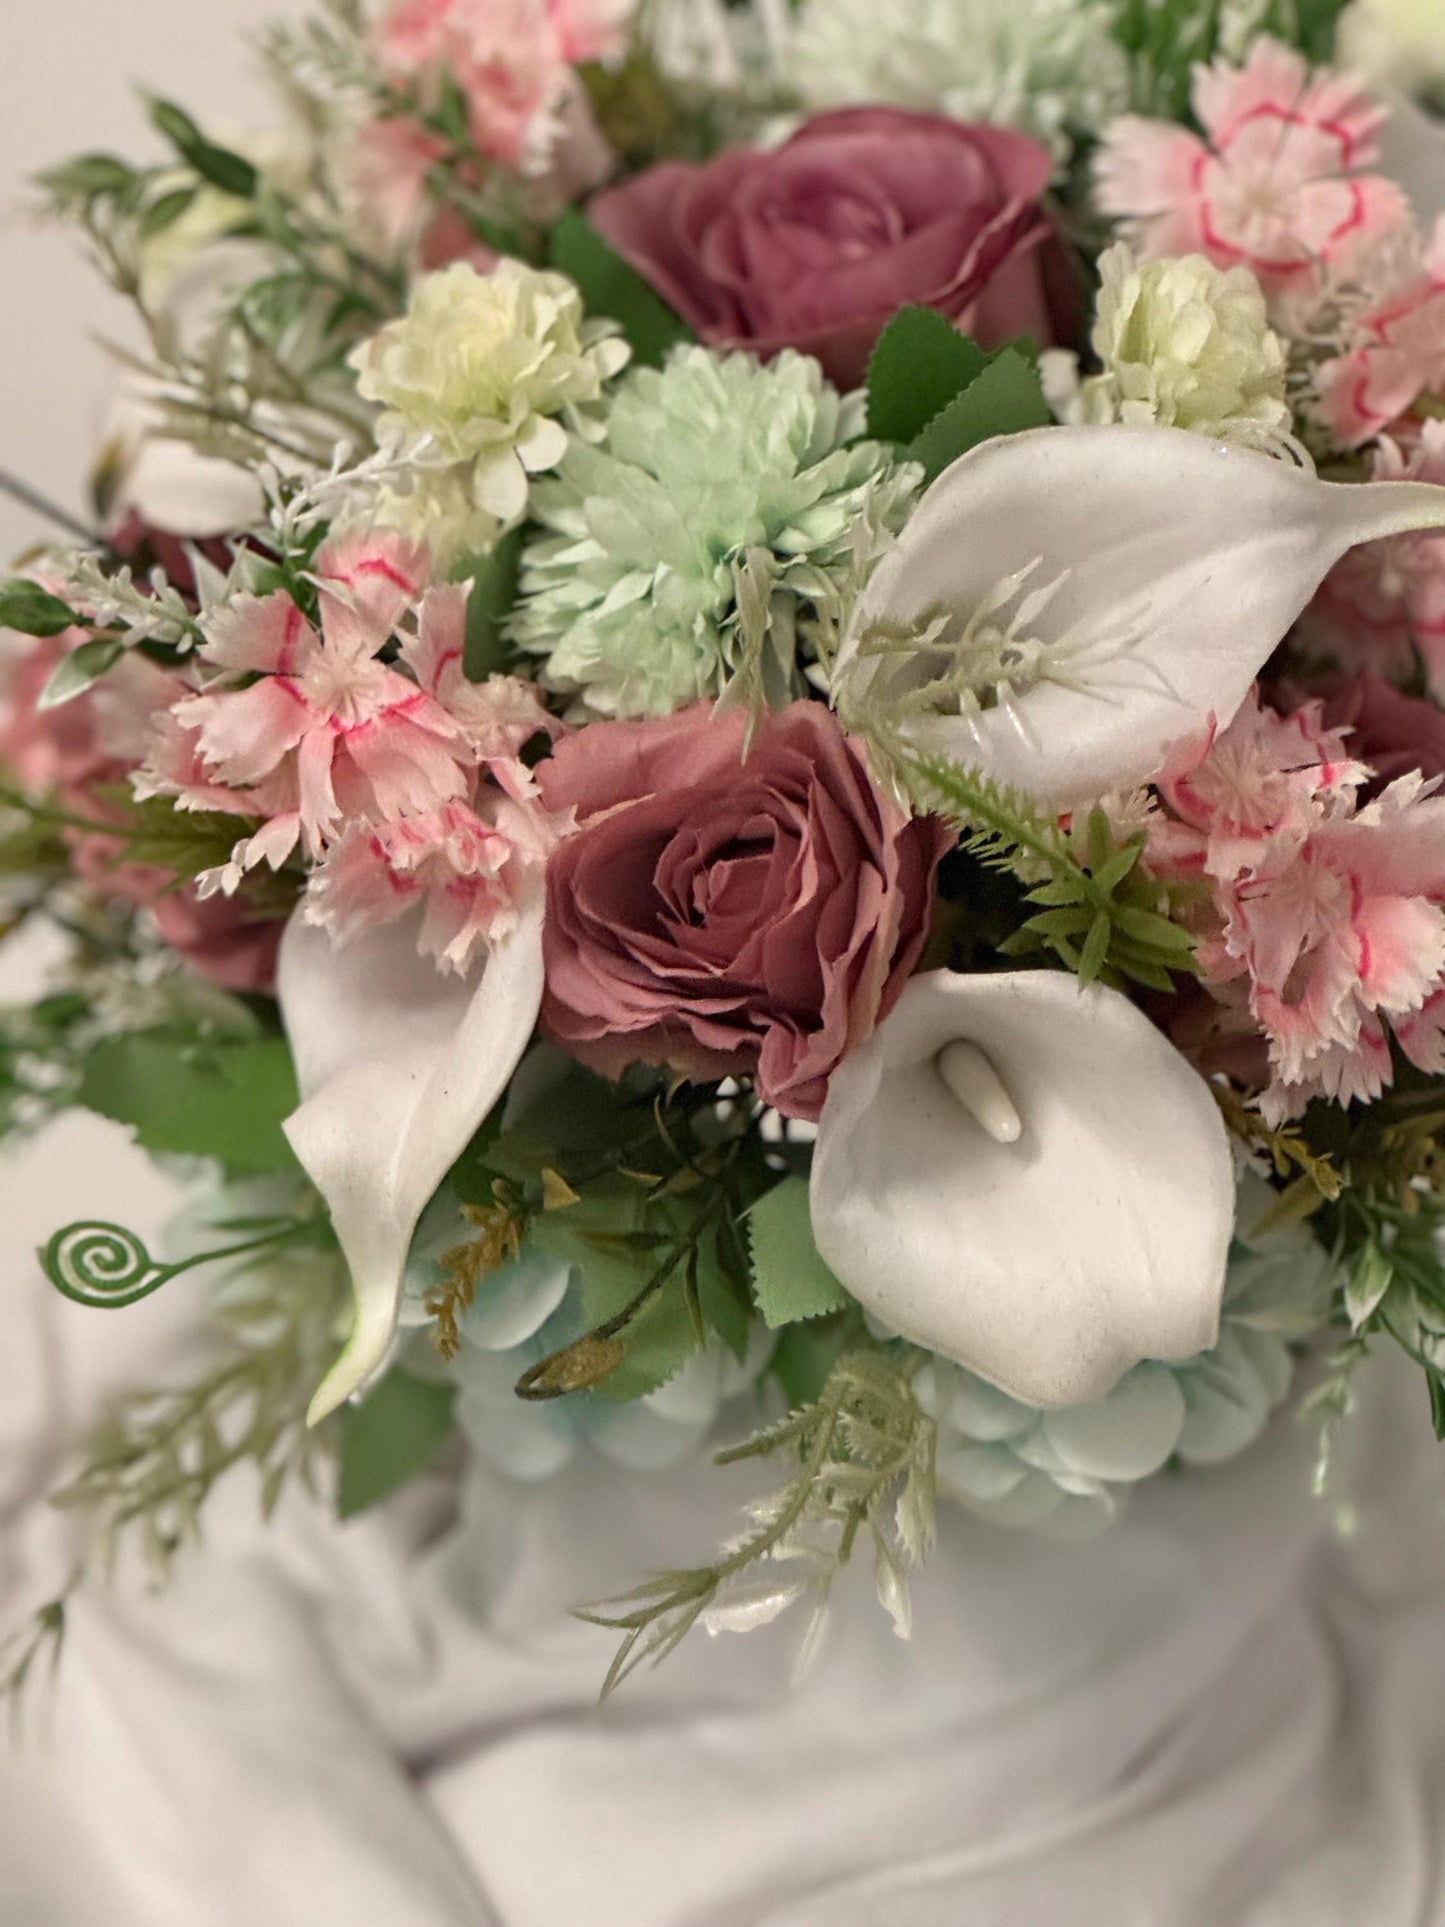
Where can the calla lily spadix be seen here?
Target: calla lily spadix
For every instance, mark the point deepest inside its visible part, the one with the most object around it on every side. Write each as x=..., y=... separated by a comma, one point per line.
x=397, y=1064
x=1024, y=1175
x=1067, y=605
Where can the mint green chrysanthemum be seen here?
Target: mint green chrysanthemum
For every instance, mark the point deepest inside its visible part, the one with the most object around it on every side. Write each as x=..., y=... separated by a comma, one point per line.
x=717, y=479
x=1050, y=68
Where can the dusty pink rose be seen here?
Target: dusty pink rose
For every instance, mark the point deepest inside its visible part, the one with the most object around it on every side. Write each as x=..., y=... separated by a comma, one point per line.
x=815, y=245
x=724, y=914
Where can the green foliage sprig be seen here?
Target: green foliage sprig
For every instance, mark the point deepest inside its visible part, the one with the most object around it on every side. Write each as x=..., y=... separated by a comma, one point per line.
x=865, y=1454
x=1166, y=38
x=148, y=1468
x=1097, y=910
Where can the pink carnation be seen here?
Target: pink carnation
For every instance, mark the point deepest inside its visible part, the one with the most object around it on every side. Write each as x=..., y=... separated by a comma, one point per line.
x=1326, y=917
x=1383, y=605
x=467, y=864
x=1392, y=353
x=1276, y=183
x=725, y=912
x=317, y=720
x=512, y=59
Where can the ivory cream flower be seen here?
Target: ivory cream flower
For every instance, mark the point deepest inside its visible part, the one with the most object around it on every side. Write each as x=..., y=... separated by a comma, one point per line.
x=1066, y=606
x=1186, y=345
x=492, y=370
x=1025, y=1176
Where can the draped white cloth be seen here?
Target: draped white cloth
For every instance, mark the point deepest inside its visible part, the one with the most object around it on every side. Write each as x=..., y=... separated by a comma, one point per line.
x=1218, y=1714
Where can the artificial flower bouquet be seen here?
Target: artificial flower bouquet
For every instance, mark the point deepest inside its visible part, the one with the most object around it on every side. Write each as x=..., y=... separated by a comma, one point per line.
x=751, y=735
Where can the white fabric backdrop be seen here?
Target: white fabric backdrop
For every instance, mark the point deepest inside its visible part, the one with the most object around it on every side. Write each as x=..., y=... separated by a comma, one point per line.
x=1216, y=1716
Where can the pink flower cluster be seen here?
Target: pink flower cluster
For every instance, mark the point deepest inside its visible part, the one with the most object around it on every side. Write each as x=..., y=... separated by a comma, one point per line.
x=512, y=60
x=1383, y=606
x=1392, y=347
x=1278, y=183
x=1324, y=915
x=77, y=752
x=398, y=779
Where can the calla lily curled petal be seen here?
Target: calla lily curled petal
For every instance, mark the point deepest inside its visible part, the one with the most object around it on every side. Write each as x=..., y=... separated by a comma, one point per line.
x=1068, y=604
x=1052, y=1262
x=397, y=1065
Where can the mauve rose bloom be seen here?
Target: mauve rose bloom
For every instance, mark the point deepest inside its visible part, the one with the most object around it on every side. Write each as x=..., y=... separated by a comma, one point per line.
x=815, y=245
x=1391, y=732
x=725, y=915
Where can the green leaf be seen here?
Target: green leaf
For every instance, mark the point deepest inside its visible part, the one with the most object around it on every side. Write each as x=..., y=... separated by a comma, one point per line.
x=921, y=363
x=494, y=590
x=804, y=1356
x=224, y=1099
x=390, y=1437
x=610, y=287
x=1096, y=947
x=166, y=211
x=790, y=1280
x=1004, y=400
x=1371, y=1277
x=1437, y=1402
x=25, y=606
x=218, y=165
x=74, y=673
x=86, y=176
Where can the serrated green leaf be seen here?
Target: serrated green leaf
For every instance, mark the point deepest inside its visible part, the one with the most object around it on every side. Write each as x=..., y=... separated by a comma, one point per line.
x=75, y=673
x=1004, y=400
x=494, y=590
x=921, y=363
x=224, y=1099
x=790, y=1280
x=392, y=1436
x=610, y=287
x=33, y=611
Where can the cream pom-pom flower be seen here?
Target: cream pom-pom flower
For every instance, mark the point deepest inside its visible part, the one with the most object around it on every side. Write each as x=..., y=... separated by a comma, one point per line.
x=1183, y=344
x=489, y=371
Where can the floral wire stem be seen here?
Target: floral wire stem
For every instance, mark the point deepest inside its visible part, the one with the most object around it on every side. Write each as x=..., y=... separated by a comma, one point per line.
x=106, y=1266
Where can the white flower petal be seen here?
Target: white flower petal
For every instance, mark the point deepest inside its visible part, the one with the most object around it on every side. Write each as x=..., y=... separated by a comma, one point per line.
x=1181, y=563
x=397, y=1065
x=1051, y=1265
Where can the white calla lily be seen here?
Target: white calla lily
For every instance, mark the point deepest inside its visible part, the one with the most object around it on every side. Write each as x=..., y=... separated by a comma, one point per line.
x=1051, y=1242
x=1066, y=605
x=397, y=1065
